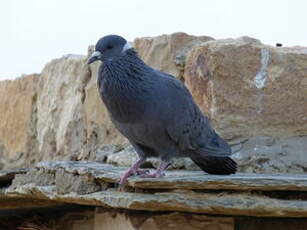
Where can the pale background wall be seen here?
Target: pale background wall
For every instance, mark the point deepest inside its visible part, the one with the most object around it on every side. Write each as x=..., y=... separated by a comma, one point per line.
x=34, y=31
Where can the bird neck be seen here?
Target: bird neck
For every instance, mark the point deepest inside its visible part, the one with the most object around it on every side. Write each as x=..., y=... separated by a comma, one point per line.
x=121, y=82
x=127, y=67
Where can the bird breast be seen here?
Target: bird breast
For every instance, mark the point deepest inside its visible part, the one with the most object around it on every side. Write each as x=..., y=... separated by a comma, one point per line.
x=122, y=99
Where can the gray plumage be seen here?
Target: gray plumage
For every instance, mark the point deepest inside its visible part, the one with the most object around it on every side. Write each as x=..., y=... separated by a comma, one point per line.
x=156, y=112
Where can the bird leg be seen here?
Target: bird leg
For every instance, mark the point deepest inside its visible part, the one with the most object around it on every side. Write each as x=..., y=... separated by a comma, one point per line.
x=132, y=170
x=159, y=172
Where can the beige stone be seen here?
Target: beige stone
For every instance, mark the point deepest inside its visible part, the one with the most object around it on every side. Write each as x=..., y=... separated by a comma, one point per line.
x=60, y=117
x=108, y=220
x=17, y=119
x=61, y=218
x=168, y=52
x=175, y=221
x=76, y=221
x=250, y=89
x=112, y=221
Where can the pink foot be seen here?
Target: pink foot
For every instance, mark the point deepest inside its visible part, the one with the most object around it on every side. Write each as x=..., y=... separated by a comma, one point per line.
x=123, y=179
x=141, y=172
x=159, y=173
x=132, y=170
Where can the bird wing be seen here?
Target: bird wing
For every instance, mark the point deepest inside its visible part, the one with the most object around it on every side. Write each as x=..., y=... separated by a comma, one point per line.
x=187, y=126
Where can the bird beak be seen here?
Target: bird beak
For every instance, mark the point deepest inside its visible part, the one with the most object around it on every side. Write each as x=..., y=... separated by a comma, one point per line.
x=94, y=57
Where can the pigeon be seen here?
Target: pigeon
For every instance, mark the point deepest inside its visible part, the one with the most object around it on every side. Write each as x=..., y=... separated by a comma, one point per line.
x=156, y=113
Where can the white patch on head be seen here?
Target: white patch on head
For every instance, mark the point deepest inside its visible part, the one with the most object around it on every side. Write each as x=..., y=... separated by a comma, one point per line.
x=95, y=54
x=126, y=47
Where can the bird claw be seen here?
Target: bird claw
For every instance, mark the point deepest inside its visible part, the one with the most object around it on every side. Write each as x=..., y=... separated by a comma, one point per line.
x=124, y=178
x=141, y=172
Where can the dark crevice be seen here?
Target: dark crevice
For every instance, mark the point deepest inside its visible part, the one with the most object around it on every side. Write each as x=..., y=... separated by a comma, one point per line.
x=268, y=223
x=44, y=218
x=5, y=183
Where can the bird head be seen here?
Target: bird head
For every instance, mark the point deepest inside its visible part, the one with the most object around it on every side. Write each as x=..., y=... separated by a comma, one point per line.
x=108, y=48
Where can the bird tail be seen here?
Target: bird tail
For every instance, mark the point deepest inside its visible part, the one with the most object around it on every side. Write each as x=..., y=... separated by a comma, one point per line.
x=215, y=165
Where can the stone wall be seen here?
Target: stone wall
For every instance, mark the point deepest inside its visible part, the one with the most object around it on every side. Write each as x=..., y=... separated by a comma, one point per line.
x=102, y=219
x=254, y=95
x=83, y=196
x=60, y=116
x=18, y=119
x=250, y=89
x=168, y=52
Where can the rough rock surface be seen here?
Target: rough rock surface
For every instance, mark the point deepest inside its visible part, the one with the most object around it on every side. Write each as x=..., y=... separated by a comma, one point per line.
x=173, y=221
x=250, y=89
x=53, y=115
x=82, y=195
x=93, y=184
x=59, y=218
x=64, y=218
x=60, y=118
x=272, y=155
x=168, y=52
x=58, y=114
x=103, y=219
x=17, y=120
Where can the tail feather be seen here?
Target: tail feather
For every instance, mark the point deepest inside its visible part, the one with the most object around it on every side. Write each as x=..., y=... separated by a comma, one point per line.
x=216, y=165
x=216, y=146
